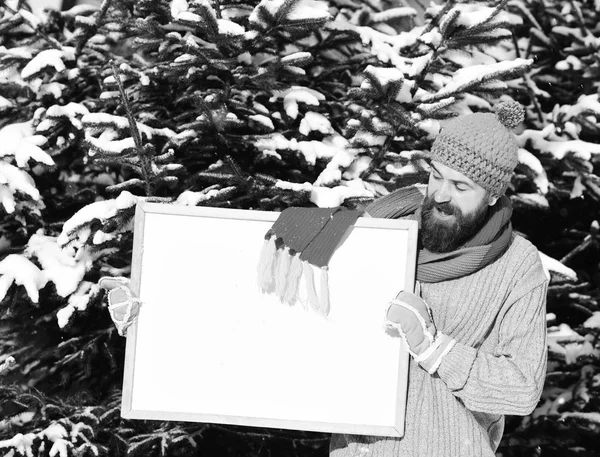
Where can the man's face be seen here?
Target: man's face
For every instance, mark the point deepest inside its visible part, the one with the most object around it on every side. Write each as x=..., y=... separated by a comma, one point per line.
x=454, y=209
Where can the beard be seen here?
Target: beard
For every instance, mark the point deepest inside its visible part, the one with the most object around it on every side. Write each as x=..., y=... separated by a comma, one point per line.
x=446, y=235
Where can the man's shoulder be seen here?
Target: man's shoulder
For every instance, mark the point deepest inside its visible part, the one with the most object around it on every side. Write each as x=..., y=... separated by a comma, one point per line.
x=524, y=259
x=523, y=247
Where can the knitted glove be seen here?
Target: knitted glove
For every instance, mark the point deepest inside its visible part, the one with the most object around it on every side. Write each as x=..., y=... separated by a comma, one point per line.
x=123, y=306
x=411, y=317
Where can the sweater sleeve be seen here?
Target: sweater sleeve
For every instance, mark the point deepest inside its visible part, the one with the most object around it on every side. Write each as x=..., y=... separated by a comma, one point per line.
x=510, y=380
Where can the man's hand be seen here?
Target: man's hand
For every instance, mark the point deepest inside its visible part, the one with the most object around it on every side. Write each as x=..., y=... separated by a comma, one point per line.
x=411, y=316
x=123, y=306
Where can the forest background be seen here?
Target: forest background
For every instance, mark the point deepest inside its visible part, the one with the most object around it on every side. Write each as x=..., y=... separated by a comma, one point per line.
x=266, y=105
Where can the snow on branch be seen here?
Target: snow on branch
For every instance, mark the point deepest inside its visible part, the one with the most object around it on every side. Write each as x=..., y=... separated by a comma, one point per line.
x=473, y=14
x=385, y=47
x=468, y=77
x=535, y=167
x=55, y=113
x=178, y=7
x=108, y=147
x=64, y=267
x=8, y=363
x=13, y=180
x=294, y=95
x=190, y=198
x=59, y=266
x=557, y=147
x=48, y=58
x=289, y=11
x=393, y=13
x=17, y=269
x=555, y=266
x=230, y=28
x=18, y=140
x=62, y=442
x=77, y=225
x=315, y=122
x=330, y=197
x=585, y=105
x=311, y=150
x=78, y=301
x=98, y=121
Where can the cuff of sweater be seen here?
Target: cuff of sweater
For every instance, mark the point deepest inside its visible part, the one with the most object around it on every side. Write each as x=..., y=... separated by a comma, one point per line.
x=456, y=366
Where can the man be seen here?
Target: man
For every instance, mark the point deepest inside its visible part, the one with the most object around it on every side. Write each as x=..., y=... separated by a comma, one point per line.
x=476, y=326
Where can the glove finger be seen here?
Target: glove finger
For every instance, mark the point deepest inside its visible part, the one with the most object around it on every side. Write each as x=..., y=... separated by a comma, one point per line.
x=416, y=302
x=124, y=315
x=398, y=314
x=111, y=282
x=119, y=313
x=409, y=324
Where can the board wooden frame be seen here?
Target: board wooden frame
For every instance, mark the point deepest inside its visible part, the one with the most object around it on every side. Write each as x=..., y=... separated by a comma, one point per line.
x=127, y=411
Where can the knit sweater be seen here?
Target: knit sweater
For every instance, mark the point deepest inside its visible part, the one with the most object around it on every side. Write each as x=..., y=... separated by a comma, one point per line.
x=497, y=316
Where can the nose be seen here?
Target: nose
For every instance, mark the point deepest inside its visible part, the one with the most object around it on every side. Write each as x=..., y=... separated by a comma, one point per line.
x=442, y=195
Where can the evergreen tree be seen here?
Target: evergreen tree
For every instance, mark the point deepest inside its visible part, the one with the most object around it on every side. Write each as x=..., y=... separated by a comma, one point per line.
x=556, y=188
x=265, y=105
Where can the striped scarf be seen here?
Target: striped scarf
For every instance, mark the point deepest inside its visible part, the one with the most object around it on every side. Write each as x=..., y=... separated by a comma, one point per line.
x=487, y=245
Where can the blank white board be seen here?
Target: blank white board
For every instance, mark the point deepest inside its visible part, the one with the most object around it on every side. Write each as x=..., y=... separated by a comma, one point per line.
x=209, y=346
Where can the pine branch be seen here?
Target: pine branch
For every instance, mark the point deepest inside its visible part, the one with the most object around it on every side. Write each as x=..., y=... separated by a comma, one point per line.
x=91, y=31
x=142, y=150
x=378, y=156
x=449, y=25
x=529, y=87
x=434, y=22
x=580, y=21
x=51, y=41
x=235, y=167
x=495, y=13
x=284, y=10
x=474, y=40
x=210, y=20
x=303, y=26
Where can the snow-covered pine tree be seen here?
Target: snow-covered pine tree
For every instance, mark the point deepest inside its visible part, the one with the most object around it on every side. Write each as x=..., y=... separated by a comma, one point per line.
x=421, y=77
x=241, y=104
x=153, y=100
x=556, y=187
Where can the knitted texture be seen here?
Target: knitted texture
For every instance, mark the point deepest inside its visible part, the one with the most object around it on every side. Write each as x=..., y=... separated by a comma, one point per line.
x=481, y=146
x=296, y=228
x=497, y=316
x=399, y=203
x=484, y=247
x=314, y=233
x=299, y=245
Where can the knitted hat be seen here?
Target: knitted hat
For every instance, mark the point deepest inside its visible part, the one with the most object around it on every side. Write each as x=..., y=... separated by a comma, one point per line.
x=481, y=146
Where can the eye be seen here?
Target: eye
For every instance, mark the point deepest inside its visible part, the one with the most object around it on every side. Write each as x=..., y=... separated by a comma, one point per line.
x=436, y=176
x=462, y=187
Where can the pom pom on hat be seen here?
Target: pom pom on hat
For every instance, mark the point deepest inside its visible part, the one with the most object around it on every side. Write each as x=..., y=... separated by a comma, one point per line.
x=481, y=146
x=510, y=114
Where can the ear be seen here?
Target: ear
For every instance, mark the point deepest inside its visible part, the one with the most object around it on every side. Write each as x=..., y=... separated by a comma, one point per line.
x=492, y=199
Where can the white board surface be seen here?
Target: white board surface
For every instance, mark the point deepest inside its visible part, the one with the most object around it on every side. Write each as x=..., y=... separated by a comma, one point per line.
x=209, y=346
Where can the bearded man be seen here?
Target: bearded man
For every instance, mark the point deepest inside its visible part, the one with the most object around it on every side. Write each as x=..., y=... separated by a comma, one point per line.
x=476, y=326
